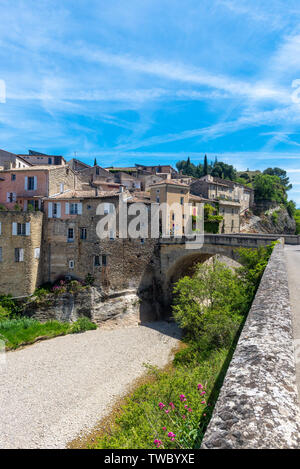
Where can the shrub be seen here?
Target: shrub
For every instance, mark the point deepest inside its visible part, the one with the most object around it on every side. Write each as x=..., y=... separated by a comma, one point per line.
x=213, y=288
x=4, y=314
x=254, y=262
x=81, y=325
x=89, y=279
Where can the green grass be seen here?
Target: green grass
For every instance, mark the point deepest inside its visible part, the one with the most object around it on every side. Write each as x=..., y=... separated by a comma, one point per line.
x=22, y=331
x=141, y=421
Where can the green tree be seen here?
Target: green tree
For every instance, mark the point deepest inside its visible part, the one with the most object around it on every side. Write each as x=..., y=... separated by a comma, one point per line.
x=281, y=173
x=95, y=162
x=205, y=166
x=268, y=187
x=213, y=288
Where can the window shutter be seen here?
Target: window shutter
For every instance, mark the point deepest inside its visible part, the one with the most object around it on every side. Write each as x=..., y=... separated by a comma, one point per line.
x=80, y=209
x=14, y=197
x=14, y=229
x=0, y=228
x=28, y=229
x=58, y=210
x=21, y=255
x=35, y=183
x=7, y=196
x=67, y=208
x=26, y=183
x=49, y=209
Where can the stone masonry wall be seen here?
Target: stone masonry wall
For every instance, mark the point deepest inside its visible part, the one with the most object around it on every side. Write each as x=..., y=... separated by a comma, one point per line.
x=20, y=278
x=258, y=404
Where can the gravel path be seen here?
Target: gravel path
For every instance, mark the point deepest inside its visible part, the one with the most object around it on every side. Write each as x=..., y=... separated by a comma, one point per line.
x=52, y=391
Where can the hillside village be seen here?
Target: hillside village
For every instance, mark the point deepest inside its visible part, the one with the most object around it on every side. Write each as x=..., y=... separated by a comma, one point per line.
x=48, y=217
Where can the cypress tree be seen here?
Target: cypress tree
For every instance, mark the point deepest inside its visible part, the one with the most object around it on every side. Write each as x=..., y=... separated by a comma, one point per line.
x=205, y=166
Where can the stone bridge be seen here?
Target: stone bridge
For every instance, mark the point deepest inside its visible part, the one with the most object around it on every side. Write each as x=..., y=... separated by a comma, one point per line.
x=177, y=260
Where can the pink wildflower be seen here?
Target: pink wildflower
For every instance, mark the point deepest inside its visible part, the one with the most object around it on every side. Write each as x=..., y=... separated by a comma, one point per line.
x=200, y=386
x=172, y=405
x=202, y=402
x=184, y=417
x=164, y=429
x=182, y=397
x=167, y=411
x=203, y=392
x=157, y=443
x=161, y=405
x=171, y=435
x=190, y=410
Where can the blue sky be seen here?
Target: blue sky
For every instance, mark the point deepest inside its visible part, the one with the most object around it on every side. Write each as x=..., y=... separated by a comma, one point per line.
x=153, y=80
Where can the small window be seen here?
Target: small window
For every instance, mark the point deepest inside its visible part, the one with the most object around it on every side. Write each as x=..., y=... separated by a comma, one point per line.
x=83, y=233
x=30, y=186
x=0, y=254
x=142, y=241
x=73, y=209
x=96, y=261
x=13, y=177
x=104, y=260
x=19, y=255
x=71, y=264
x=181, y=200
x=112, y=235
x=21, y=229
x=37, y=253
x=70, y=234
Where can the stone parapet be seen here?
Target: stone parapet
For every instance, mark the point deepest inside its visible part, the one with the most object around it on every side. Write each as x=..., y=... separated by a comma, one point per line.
x=258, y=404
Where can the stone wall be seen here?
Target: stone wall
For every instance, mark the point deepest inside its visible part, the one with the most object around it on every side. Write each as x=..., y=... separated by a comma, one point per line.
x=20, y=278
x=258, y=404
x=58, y=176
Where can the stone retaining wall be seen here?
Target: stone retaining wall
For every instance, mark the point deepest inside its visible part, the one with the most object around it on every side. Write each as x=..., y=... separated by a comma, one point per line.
x=258, y=404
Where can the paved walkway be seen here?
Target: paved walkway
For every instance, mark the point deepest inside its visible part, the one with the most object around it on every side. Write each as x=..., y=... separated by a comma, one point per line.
x=292, y=254
x=53, y=390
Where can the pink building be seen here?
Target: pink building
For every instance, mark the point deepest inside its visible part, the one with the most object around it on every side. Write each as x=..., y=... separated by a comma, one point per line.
x=28, y=186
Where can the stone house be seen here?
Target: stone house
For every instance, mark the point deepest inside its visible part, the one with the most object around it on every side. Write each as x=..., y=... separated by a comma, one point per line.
x=20, y=252
x=72, y=247
x=27, y=186
x=176, y=196
x=42, y=159
x=11, y=161
x=230, y=211
x=221, y=189
x=131, y=183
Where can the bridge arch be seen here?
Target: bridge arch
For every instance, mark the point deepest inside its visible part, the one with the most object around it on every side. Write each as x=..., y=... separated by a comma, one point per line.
x=176, y=263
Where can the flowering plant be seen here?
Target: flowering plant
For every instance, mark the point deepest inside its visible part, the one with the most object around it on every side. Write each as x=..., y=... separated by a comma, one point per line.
x=180, y=429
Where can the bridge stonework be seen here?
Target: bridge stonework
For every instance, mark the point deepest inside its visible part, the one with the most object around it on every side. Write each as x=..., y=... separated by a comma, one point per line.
x=258, y=404
x=175, y=260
